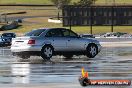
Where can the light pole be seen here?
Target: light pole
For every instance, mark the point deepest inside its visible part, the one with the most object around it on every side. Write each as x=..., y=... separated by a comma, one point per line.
x=112, y=24
x=113, y=2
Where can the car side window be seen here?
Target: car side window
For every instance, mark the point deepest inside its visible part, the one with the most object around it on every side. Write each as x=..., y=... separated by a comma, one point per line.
x=65, y=33
x=54, y=33
x=68, y=33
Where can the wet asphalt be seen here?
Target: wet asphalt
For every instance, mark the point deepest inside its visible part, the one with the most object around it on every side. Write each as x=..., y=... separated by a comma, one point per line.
x=110, y=63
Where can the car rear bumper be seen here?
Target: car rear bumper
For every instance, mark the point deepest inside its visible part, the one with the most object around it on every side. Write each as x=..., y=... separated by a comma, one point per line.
x=31, y=48
x=27, y=53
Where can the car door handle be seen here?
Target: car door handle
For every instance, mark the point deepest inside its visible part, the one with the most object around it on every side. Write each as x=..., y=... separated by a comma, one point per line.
x=53, y=40
x=68, y=40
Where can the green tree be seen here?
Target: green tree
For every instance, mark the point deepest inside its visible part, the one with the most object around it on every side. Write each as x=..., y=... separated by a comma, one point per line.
x=85, y=2
x=60, y=3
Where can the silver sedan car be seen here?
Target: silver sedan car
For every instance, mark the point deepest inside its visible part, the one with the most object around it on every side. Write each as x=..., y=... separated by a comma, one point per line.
x=54, y=41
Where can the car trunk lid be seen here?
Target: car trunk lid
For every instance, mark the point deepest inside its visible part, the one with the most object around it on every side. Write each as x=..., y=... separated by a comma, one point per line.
x=20, y=41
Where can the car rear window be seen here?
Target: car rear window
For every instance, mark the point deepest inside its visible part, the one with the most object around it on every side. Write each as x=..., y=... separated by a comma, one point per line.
x=35, y=32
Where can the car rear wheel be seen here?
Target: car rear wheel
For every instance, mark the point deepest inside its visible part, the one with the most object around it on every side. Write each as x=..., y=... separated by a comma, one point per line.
x=92, y=51
x=47, y=52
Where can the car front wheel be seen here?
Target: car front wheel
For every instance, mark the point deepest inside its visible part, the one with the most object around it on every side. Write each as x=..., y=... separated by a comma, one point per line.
x=47, y=52
x=92, y=51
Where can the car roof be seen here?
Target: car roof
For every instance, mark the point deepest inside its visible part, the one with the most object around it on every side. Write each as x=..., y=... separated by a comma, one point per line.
x=51, y=28
x=57, y=28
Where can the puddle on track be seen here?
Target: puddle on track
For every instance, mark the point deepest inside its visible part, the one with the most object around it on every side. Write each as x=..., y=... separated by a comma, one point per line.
x=108, y=64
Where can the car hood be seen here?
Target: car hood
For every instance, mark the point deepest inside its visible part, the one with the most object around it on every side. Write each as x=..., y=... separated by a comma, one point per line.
x=93, y=40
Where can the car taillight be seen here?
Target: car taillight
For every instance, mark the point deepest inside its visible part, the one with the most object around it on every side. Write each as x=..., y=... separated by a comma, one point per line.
x=31, y=42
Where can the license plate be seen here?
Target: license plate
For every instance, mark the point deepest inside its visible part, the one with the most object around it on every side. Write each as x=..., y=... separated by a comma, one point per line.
x=17, y=43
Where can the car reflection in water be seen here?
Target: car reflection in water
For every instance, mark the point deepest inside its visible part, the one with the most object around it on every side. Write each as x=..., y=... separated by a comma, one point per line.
x=20, y=73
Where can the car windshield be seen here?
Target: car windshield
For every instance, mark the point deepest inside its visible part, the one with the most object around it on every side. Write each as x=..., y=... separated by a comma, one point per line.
x=35, y=32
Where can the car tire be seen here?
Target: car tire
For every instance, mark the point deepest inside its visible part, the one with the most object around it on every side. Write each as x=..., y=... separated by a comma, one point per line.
x=47, y=52
x=92, y=50
x=68, y=56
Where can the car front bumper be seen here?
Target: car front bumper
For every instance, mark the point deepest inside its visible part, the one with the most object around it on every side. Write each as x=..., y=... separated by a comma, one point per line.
x=99, y=47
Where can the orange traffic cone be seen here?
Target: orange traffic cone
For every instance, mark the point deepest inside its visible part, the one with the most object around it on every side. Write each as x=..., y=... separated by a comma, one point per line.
x=84, y=74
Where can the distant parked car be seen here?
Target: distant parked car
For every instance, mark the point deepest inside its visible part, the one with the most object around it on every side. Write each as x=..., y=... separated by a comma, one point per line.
x=112, y=34
x=10, y=26
x=6, y=38
x=1, y=42
x=54, y=41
